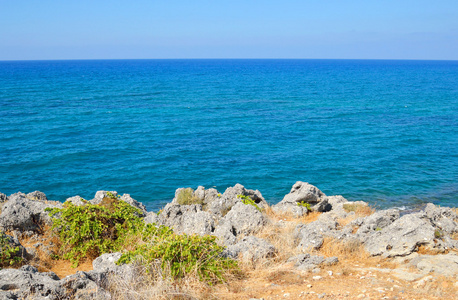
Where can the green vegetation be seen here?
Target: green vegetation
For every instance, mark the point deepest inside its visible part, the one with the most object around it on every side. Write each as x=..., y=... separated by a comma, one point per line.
x=305, y=204
x=183, y=254
x=113, y=225
x=248, y=201
x=438, y=234
x=91, y=230
x=186, y=197
x=9, y=255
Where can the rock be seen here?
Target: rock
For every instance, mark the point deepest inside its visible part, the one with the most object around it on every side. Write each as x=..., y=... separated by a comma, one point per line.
x=138, y=205
x=311, y=236
x=401, y=237
x=23, y=214
x=446, y=265
x=250, y=248
x=99, y=195
x=245, y=219
x=303, y=192
x=377, y=221
x=37, y=195
x=151, y=218
x=76, y=200
x=3, y=198
x=307, y=262
x=107, y=262
x=189, y=219
x=223, y=204
x=444, y=218
x=225, y=233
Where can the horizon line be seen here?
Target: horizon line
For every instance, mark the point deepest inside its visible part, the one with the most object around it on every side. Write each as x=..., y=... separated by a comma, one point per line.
x=94, y=59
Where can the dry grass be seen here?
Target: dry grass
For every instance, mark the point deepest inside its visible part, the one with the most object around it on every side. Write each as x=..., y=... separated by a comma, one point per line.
x=288, y=217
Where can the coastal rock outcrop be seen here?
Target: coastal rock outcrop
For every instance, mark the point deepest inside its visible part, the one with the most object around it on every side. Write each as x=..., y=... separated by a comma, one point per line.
x=307, y=262
x=250, y=248
x=231, y=196
x=22, y=214
x=305, y=194
x=189, y=219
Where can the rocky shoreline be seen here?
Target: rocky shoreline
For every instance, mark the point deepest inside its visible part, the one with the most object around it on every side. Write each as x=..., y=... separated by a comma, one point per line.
x=423, y=243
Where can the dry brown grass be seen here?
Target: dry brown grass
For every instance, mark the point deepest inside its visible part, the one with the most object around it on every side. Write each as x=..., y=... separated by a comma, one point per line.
x=156, y=283
x=288, y=217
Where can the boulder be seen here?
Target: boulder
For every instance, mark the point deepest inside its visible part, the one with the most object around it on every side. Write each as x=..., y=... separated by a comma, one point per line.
x=189, y=219
x=76, y=200
x=23, y=214
x=99, y=195
x=231, y=196
x=28, y=283
x=37, y=195
x=245, y=219
x=311, y=235
x=250, y=248
x=444, y=218
x=377, y=221
x=446, y=265
x=225, y=233
x=303, y=192
x=402, y=237
x=138, y=205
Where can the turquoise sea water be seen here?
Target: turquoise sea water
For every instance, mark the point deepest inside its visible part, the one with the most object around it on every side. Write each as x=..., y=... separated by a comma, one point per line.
x=380, y=131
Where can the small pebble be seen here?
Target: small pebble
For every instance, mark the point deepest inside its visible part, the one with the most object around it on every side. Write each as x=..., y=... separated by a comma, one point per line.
x=330, y=273
x=316, y=277
x=309, y=285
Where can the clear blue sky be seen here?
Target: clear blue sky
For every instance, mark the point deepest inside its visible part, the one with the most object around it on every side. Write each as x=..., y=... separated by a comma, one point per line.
x=100, y=29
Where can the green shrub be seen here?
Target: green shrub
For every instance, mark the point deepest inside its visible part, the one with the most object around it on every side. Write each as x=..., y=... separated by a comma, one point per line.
x=184, y=255
x=9, y=255
x=248, y=201
x=186, y=197
x=91, y=230
x=305, y=204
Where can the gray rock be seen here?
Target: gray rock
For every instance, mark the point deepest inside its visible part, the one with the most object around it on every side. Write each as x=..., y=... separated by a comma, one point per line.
x=225, y=233
x=223, y=204
x=303, y=192
x=446, y=265
x=250, y=248
x=377, y=221
x=402, y=237
x=37, y=195
x=23, y=214
x=28, y=283
x=99, y=195
x=138, y=205
x=189, y=219
x=3, y=198
x=307, y=262
x=107, y=262
x=444, y=218
x=151, y=218
x=245, y=219
x=311, y=236
x=76, y=200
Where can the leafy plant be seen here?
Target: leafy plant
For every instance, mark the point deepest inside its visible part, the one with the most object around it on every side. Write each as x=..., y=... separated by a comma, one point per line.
x=186, y=197
x=183, y=254
x=90, y=230
x=248, y=201
x=305, y=204
x=9, y=255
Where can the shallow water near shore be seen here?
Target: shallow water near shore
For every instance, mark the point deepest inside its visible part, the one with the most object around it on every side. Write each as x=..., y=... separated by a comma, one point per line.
x=379, y=131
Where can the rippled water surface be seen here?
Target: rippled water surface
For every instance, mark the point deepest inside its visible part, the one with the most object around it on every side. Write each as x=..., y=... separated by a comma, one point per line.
x=380, y=131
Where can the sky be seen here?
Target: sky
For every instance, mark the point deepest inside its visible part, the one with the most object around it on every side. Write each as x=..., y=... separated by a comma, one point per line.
x=142, y=29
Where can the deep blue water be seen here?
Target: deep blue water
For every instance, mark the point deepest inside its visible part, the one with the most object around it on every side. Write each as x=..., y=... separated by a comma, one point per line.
x=380, y=131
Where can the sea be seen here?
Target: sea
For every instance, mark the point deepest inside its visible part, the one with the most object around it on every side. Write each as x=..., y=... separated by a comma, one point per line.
x=382, y=131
